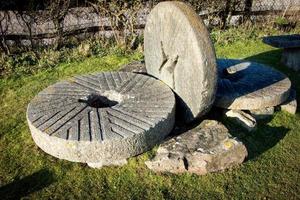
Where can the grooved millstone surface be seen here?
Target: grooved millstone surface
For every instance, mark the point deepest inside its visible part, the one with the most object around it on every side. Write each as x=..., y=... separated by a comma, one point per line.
x=179, y=51
x=245, y=85
x=102, y=117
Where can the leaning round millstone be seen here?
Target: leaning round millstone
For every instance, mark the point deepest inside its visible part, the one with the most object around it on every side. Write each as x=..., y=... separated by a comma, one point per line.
x=102, y=118
x=179, y=51
x=245, y=85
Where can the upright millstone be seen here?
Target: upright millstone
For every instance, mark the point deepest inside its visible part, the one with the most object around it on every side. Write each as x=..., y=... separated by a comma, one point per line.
x=179, y=51
x=102, y=119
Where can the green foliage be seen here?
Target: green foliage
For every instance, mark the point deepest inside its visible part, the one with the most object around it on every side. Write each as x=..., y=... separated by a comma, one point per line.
x=245, y=33
x=31, y=62
x=281, y=21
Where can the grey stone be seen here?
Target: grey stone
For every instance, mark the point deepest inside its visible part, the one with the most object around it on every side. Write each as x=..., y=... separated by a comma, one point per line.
x=283, y=41
x=291, y=49
x=101, y=118
x=135, y=67
x=101, y=164
x=291, y=104
x=291, y=58
x=244, y=85
x=206, y=148
x=262, y=113
x=179, y=51
x=242, y=118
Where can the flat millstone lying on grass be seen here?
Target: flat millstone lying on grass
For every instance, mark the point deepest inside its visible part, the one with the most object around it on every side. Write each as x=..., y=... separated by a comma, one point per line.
x=179, y=51
x=290, y=105
x=245, y=85
x=283, y=41
x=103, y=118
x=206, y=148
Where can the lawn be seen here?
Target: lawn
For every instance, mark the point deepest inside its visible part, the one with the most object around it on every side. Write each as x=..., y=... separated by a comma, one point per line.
x=272, y=170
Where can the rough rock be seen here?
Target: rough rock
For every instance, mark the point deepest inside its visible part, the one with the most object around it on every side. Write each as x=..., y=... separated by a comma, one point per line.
x=135, y=67
x=244, y=85
x=206, y=148
x=242, y=118
x=179, y=51
x=291, y=104
x=103, y=118
x=291, y=49
x=262, y=113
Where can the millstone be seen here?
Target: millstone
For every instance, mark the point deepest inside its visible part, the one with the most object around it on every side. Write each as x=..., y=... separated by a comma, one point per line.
x=101, y=118
x=291, y=49
x=283, y=41
x=245, y=85
x=179, y=51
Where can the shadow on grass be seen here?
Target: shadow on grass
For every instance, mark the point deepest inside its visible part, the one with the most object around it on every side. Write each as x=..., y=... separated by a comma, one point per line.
x=268, y=57
x=259, y=141
x=27, y=185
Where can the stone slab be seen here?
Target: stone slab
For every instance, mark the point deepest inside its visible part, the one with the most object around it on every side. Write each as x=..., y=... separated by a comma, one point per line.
x=179, y=51
x=101, y=118
x=99, y=165
x=206, y=148
x=242, y=118
x=263, y=113
x=290, y=105
x=283, y=41
x=245, y=85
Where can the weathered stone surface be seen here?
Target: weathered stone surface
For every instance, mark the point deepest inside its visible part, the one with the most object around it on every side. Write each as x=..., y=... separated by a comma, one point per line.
x=179, y=51
x=102, y=118
x=244, y=85
x=206, y=148
x=99, y=165
x=291, y=104
x=262, y=113
x=243, y=119
x=135, y=67
x=291, y=45
x=283, y=41
x=291, y=58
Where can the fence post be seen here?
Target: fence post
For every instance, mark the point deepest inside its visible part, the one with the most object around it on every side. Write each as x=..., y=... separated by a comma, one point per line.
x=247, y=10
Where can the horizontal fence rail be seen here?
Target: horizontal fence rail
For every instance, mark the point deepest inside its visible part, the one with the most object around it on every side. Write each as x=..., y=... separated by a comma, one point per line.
x=28, y=27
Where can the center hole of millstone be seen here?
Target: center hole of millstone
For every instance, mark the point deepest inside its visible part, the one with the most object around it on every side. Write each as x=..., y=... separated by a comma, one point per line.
x=107, y=100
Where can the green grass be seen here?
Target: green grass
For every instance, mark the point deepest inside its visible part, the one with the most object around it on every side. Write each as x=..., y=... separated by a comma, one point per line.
x=272, y=170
